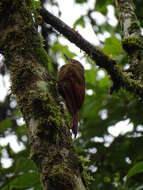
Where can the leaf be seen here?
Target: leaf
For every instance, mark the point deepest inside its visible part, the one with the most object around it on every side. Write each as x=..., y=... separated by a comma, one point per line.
x=90, y=76
x=101, y=6
x=113, y=46
x=81, y=1
x=136, y=169
x=35, y=4
x=5, y=124
x=21, y=130
x=24, y=164
x=26, y=180
x=63, y=49
x=80, y=22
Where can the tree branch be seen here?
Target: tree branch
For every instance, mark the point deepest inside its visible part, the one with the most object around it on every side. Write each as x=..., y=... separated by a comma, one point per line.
x=102, y=59
x=119, y=78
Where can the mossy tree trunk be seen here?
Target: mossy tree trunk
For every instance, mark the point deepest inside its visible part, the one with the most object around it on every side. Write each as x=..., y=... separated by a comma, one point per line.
x=37, y=95
x=132, y=40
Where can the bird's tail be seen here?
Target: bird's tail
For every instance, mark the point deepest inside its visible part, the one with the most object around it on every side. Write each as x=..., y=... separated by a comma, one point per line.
x=75, y=124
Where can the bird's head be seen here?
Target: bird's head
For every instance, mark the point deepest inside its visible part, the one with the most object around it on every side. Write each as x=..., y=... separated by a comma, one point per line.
x=73, y=61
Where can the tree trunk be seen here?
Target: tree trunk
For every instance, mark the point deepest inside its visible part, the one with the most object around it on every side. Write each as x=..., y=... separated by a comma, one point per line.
x=37, y=95
x=132, y=40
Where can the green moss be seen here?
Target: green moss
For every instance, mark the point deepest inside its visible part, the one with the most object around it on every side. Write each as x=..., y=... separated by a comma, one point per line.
x=62, y=175
x=132, y=43
x=22, y=75
x=48, y=104
x=42, y=56
x=87, y=178
x=135, y=25
x=43, y=88
x=34, y=5
x=134, y=47
x=55, y=116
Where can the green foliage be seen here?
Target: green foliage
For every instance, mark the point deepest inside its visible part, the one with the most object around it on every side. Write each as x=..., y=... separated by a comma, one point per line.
x=80, y=22
x=101, y=6
x=62, y=49
x=81, y=1
x=5, y=124
x=136, y=169
x=138, y=5
x=35, y=4
x=24, y=174
x=24, y=181
x=114, y=48
x=24, y=164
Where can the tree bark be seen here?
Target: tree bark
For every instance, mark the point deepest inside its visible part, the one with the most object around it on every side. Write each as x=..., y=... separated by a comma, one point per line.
x=129, y=24
x=51, y=145
x=132, y=40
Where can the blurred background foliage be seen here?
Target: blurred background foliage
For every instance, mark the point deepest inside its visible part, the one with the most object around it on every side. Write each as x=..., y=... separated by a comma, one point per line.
x=110, y=127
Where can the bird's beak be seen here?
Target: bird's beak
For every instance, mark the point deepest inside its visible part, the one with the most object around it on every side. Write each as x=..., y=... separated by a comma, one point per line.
x=67, y=58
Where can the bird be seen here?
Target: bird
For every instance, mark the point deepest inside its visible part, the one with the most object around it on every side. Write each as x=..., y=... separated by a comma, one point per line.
x=71, y=84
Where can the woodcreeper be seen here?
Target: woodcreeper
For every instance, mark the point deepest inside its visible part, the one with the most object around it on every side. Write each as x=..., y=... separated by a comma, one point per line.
x=71, y=85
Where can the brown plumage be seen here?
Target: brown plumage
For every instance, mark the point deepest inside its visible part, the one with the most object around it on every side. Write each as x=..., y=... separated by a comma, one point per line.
x=72, y=88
